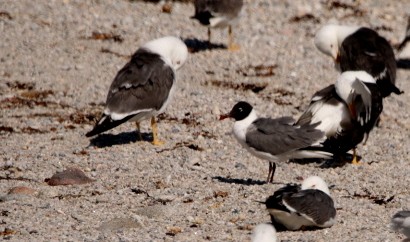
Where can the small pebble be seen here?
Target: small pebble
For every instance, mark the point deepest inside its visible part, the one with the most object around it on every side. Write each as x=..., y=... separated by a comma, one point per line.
x=22, y=190
x=71, y=176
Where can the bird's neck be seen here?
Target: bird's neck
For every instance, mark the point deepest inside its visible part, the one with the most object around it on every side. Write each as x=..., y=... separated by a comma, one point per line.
x=345, y=31
x=240, y=127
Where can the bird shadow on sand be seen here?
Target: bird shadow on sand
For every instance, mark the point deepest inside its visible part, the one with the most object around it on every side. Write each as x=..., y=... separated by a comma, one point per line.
x=107, y=140
x=331, y=163
x=196, y=45
x=281, y=228
x=247, y=182
x=403, y=63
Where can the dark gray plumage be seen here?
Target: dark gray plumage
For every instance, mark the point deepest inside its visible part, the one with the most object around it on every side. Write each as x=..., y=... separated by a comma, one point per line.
x=280, y=136
x=313, y=203
x=296, y=207
x=143, y=83
x=143, y=87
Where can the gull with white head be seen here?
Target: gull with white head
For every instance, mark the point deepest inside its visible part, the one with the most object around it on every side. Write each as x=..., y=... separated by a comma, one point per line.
x=347, y=112
x=144, y=86
x=302, y=206
x=359, y=48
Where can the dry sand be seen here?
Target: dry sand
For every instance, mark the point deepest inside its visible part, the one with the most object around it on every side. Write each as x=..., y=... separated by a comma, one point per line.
x=200, y=185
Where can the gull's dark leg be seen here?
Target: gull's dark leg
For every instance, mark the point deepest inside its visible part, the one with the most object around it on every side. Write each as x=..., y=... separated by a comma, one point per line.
x=378, y=122
x=272, y=169
x=137, y=124
x=209, y=35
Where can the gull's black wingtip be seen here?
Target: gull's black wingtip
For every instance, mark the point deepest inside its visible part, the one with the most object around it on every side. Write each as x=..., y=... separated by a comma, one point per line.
x=91, y=133
x=99, y=127
x=106, y=123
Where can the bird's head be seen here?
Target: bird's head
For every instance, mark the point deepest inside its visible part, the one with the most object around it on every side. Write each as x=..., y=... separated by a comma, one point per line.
x=315, y=182
x=329, y=39
x=327, y=42
x=240, y=111
x=172, y=49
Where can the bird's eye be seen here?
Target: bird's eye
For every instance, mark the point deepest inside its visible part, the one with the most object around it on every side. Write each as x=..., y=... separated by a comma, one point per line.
x=178, y=62
x=240, y=110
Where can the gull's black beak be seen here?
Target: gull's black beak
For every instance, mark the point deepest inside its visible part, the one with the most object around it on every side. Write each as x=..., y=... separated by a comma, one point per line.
x=260, y=202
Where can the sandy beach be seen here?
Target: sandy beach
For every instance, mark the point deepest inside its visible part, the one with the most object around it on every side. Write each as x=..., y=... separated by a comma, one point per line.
x=57, y=61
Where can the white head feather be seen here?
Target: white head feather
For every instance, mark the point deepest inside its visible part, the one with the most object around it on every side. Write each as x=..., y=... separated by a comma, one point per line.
x=315, y=182
x=329, y=38
x=344, y=83
x=264, y=233
x=171, y=49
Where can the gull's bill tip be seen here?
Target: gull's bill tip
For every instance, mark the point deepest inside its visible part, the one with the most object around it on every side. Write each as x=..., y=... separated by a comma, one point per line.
x=224, y=116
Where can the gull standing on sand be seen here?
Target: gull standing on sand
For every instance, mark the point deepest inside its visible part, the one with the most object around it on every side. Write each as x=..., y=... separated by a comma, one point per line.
x=218, y=14
x=347, y=112
x=275, y=139
x=144, y=86
x=359, y=48
x=299, y=207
